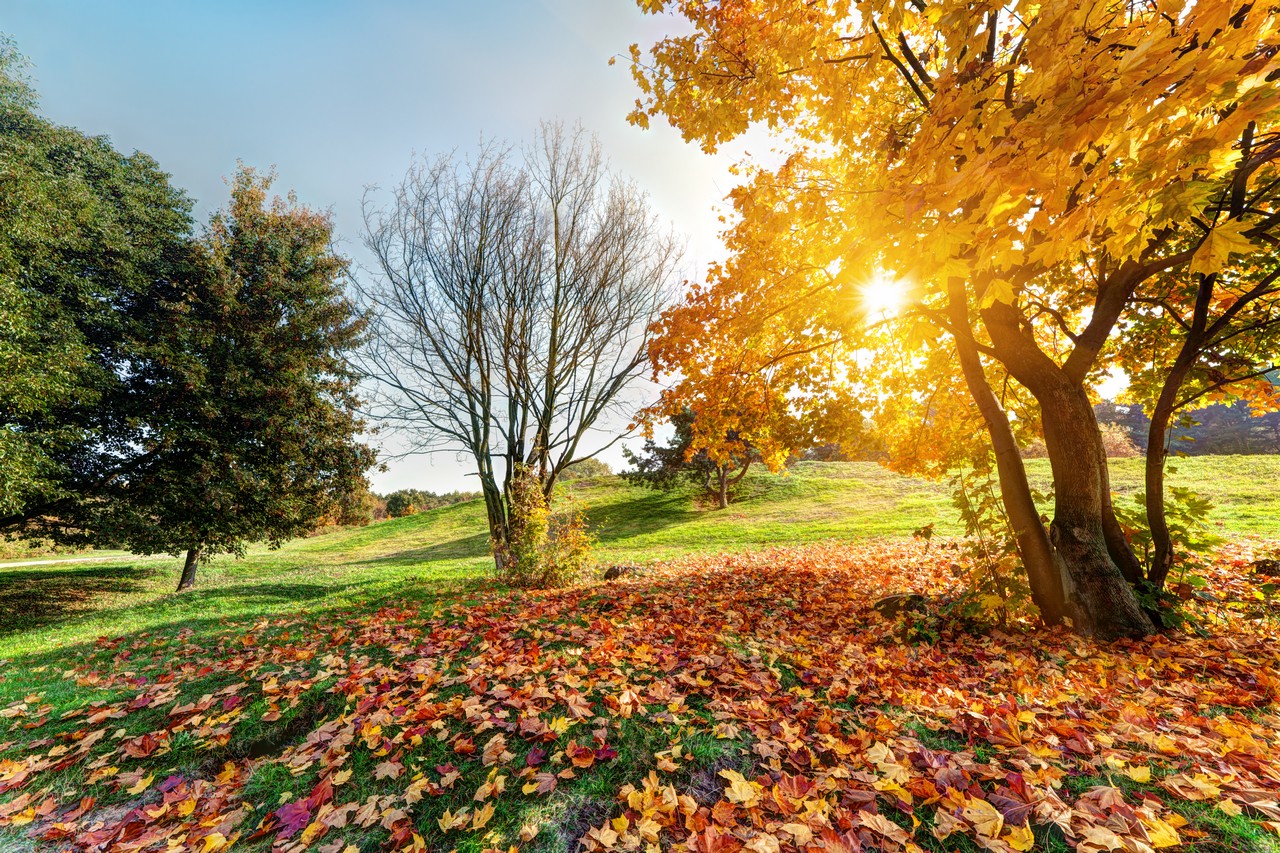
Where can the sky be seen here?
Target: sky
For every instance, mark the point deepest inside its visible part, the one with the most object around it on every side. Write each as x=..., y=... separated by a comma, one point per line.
x=341, y=96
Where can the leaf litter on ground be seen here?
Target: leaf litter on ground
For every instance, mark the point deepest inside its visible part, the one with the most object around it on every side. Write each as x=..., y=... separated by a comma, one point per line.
x=457, y=726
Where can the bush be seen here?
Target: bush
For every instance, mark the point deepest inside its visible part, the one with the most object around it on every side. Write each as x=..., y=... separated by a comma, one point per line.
x=541, y=550
x=586, y=470
x=413, y=501
x=1117, y=443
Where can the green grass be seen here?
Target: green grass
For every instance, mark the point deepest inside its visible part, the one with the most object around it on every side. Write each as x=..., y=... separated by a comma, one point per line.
x=53, y=614
x=443, y=551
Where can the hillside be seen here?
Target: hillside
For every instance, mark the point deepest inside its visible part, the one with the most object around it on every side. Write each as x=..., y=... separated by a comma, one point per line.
x=369, y=689
x=48, y=606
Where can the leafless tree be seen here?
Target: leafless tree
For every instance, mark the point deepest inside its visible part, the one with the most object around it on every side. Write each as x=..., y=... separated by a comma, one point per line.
x=512, y=299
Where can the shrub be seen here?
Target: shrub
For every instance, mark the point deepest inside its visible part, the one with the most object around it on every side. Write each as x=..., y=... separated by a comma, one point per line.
x=1117, y=443
x=541, y=550
x=586, y=470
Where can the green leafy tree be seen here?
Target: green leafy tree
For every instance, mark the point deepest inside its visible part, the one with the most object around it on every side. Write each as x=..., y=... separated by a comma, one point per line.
x=254, y=431
x=86, y=235
x=587, y=469
x=664, y=467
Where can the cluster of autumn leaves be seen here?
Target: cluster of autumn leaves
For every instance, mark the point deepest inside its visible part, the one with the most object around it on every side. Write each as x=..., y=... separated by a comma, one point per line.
x=424, y=728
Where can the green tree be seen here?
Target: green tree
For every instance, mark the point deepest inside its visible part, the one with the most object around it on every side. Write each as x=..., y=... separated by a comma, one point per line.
x=86, y=234
x=663, y=467
x=253, y=432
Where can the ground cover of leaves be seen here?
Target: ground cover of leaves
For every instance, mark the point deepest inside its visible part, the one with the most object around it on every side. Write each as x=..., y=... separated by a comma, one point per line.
x=754, y=701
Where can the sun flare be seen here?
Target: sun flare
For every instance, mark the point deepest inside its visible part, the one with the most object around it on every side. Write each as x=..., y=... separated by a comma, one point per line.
x=882, y=297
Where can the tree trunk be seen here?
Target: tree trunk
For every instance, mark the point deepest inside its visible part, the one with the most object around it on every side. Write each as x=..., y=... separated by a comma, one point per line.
x=1100, y=600
x=1044, y=572
x=1117, y=543
x=188, y=579
x=723, y=472
x=496, y=509
x=1157, y=436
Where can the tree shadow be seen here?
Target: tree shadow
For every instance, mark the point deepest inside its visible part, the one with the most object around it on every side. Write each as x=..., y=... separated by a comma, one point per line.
x=614, y=523
x=38, y=596
x=465, y=547
x=270, y=593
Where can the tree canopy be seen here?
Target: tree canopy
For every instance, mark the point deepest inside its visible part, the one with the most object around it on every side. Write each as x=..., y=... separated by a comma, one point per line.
x=253, y=433
x=159, y=390
x=1023, y=171
x=512, y=302
x=86, y=234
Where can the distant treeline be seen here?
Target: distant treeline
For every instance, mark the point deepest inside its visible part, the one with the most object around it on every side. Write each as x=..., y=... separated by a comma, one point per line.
x=410, y=501
x=360, y=506
x=1219, y=429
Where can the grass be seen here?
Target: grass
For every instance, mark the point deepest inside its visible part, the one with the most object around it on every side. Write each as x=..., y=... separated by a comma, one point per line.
x=446, y=549
x=443, y=551
x=56, y=613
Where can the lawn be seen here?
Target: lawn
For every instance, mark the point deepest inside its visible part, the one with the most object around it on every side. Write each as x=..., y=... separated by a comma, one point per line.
x=371, y=688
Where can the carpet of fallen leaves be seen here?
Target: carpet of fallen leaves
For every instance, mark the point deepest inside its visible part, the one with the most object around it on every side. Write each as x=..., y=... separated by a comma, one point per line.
x=412, y=725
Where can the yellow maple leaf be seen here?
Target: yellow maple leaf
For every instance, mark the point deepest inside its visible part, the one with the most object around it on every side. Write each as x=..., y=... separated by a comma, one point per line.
x=799, y=831
x=1161, y=833
x=985, y=818
x=1020, y=838
x=450, y=821
x=213, y=842
x=763, y=843
x=1138, y=774
x=482, y=816
x=741, y=790
x=1218, y=245
x=142, y=784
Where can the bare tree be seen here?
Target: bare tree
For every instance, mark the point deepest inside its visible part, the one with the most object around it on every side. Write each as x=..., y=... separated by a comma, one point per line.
x=512, y=299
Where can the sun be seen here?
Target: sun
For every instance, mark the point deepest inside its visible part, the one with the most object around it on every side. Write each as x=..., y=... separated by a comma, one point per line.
x=882, y=296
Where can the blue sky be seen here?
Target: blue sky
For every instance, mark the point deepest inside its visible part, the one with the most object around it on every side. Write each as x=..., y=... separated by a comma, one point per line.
x=339, y=96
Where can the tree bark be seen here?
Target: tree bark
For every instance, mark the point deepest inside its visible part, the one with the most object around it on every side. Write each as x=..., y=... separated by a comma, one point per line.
x=1157, y=435
x=723, y=473
x=188, y=579
x=1117, y=543
x=1044, y=573
x=1097, y=597
x=1100, y=600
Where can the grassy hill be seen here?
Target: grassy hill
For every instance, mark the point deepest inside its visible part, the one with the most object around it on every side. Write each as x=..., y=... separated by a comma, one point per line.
x=55, y=605
x=351, y=630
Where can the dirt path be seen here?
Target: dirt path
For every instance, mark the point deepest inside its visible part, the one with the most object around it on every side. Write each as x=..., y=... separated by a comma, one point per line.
x=82, y=560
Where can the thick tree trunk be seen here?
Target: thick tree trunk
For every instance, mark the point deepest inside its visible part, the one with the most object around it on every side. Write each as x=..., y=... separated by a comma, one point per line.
x=1117, y=543
x=188, y=579
x=1100, y=600
x=723, y=495
x=496, y=509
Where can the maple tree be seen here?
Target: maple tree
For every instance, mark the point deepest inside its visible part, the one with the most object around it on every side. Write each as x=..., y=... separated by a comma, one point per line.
x=1200, y=336
x=1024, y=169
x=740, y=395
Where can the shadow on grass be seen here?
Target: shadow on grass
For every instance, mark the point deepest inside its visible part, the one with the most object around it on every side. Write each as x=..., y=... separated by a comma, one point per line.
x=614, y=523
x=39, y=596
x=476, y=545
x=242, y=606
x=270, y=593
